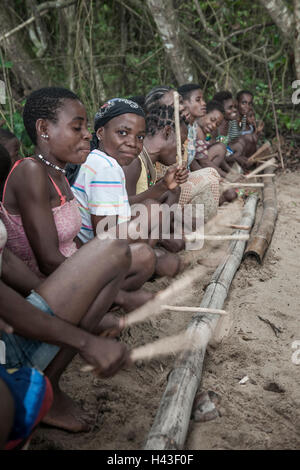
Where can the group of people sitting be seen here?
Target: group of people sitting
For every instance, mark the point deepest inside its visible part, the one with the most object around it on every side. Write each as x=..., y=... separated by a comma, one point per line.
x=61, y=271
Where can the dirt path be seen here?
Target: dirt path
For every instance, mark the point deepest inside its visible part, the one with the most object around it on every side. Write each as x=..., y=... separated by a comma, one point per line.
x=263, y=413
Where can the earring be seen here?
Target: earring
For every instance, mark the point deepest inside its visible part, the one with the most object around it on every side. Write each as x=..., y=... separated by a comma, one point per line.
x=45, y=136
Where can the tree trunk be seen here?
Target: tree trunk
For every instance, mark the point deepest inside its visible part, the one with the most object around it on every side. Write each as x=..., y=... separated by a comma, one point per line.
x=168, y=27
x=28, y=72
x=297, y=38
x=281, y=16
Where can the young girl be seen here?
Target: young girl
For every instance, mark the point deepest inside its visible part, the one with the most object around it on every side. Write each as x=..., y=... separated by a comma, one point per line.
x=100, y=185
x=39, y=210
x=201, y=187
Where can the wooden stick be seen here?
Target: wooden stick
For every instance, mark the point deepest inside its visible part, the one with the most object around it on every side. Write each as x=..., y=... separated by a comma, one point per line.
x=177, y=127
x=266, y=146
x=264, y=157
x=161, y=347
x=199, y=236
x=265, y=175
x=153, y=307
x=260, y=168
x=274, y=111
x=243, y=185
x=213, y=311
x=238, y=227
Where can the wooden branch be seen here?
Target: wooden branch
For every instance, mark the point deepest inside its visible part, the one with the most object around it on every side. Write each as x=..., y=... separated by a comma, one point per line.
x=175, y=308
x=173, y=416
x=274, y=111
x=177, y=128
x=42, y=10
x=261, y=240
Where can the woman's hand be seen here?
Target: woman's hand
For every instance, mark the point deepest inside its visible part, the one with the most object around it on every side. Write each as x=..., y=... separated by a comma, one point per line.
x=175, y=176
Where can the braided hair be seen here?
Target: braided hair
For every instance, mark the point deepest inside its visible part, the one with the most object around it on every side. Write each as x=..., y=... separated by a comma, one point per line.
x=154, y=95
x=44, y=104
x=159, y=117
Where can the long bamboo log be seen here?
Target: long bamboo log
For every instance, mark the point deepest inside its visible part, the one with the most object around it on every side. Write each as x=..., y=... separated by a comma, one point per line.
x=173, y=416
x=260, y=241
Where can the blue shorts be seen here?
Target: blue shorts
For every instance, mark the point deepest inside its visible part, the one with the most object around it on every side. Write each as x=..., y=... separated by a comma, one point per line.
x=27, y=352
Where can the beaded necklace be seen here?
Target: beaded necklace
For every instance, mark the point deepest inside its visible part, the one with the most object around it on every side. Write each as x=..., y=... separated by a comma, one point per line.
x=51, y=164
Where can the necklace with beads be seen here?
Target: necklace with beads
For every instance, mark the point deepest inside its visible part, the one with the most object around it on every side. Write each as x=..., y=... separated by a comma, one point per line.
x=51, y=164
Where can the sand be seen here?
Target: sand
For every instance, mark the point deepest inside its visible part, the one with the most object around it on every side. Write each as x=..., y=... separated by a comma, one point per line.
x=263, y=413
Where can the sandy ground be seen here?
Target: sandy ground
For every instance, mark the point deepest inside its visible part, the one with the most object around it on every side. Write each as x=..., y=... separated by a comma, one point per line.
x=264, y=413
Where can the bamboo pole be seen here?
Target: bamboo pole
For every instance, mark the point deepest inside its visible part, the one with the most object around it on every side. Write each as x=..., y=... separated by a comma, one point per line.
x=177, y=127
x=173, y=416
x=260, y=241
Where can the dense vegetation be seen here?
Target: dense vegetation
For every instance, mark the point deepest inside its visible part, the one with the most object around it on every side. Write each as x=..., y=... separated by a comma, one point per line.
x=102, y=49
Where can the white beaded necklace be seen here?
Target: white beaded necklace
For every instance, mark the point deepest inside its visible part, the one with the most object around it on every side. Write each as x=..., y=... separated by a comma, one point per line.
x=51, y=164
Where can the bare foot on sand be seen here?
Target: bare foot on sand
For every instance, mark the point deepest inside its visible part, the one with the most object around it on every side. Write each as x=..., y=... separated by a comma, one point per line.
x=66, y=414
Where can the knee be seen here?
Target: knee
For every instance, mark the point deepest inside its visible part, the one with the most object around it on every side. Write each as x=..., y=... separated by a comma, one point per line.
x=146, y=257
x=121, y=254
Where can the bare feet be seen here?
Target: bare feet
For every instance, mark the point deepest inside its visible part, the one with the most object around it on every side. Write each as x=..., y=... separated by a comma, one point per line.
x=130, y=300
x=66, y=414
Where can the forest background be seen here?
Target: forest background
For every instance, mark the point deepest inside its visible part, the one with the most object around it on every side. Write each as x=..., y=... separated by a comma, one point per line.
x=102, y=49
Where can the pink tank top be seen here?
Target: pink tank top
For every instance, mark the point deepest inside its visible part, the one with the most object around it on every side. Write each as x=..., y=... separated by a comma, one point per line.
x=67, y=220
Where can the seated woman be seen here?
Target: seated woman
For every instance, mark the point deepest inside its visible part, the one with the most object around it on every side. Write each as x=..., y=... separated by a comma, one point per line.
x=39, y=210
x=229, y=130
x=211, y=154
x=100, y=185
x=11, y=143
x=160, y=149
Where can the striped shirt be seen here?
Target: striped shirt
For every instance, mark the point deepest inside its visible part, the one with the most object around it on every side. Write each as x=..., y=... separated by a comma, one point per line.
x=100, y=190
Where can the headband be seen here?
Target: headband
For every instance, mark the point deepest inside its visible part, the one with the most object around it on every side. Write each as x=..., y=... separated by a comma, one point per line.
x=116, y=107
